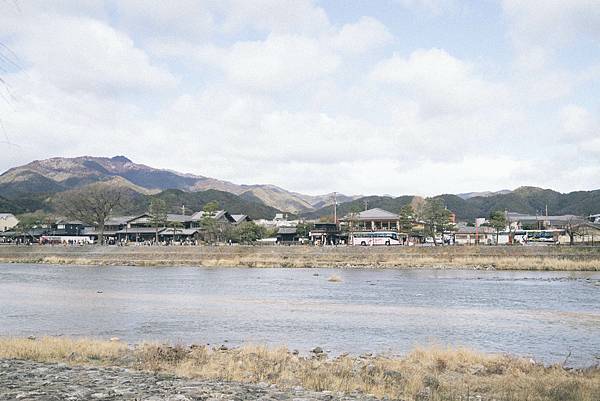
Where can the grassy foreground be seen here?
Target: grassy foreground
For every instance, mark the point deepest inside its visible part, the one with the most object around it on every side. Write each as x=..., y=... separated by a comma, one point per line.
x=483, y=257
x=431, y=373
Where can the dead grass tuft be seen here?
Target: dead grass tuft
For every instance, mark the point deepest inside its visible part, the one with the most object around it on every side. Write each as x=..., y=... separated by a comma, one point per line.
x=62, y=349
x=483, y=257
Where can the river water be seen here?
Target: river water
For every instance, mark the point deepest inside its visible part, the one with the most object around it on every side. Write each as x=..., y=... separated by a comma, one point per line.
x=544, y=315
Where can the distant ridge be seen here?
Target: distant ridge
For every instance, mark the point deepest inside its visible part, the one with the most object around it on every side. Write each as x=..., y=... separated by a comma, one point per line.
x=32, y=186
x=484, y=194
x=60, y=174
x=530, y=200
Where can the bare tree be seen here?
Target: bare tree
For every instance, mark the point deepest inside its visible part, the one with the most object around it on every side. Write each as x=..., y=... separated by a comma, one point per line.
x=92, y=204
x=574, y=227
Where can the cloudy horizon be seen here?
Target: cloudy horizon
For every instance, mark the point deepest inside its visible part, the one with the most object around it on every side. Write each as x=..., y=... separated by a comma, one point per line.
x=390, y=97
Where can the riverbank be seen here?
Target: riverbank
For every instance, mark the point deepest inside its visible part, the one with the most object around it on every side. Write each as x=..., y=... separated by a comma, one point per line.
x=27, y=380
x=477, y=257
x=113, y=369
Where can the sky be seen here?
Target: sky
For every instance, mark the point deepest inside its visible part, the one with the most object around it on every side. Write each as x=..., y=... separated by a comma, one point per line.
x=356, y=96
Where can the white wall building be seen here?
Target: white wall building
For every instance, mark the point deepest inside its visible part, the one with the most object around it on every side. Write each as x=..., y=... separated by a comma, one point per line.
x=280, y=220
x=7, y=221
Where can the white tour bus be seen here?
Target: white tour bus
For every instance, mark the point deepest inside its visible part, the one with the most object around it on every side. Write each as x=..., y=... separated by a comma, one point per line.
x=376, y=238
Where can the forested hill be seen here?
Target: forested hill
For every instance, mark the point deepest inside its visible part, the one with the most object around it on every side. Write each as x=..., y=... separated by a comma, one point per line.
x=522, y=200
x=194, y=201
x=136, y=202
x=383, y=202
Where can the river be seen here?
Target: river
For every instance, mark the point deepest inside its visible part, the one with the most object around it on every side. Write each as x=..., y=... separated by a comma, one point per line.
x=544, y=315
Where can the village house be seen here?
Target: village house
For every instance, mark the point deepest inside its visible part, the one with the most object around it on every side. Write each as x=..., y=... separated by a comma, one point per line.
x=372, y=219
x=177, y=227
x=586, y=233
x=280, y=220
x=519, y=221
x=326, y=234
x=594, y=218
x=287, y=235
x=67, y=228
x=525, y=228
x=220, y=216
x=31, y=235
x=482, y=235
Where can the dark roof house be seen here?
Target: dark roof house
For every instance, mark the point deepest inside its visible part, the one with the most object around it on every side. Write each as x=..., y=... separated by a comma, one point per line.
x=287, y=235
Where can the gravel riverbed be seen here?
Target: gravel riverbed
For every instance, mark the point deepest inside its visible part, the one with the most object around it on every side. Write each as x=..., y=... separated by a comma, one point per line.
x=26, y=380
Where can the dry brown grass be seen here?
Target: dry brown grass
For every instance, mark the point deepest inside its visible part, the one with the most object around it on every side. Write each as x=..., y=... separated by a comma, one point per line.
x=62, y=349
x=430, y=373
x=500, y=257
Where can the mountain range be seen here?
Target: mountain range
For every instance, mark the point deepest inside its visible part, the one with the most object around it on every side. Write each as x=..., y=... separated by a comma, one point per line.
x=527, y=200
x=33, y=186
x=59, y=174
x=484, y=194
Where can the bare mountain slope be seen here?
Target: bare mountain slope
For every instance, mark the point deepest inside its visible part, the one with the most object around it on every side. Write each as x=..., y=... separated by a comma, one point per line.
x=59, y=174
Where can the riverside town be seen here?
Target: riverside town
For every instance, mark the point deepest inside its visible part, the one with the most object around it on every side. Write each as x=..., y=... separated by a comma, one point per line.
x=371, y=227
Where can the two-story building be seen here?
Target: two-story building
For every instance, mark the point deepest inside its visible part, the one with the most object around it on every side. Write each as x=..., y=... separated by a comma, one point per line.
x=326, y=234
x=372, y=220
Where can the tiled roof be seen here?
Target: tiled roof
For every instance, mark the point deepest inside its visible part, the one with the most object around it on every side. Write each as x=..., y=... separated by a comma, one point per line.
x=116, y=220
x=239, y=217
x=374, y=214
x=512, y=216
x=217, y=215
x=473, y=230
x=139, y=230
x=287, y=230
x=181, y=218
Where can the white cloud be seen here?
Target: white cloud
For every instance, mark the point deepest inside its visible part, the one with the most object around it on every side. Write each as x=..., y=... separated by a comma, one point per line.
x=278, y=62
x=541, y=31
x=88, y=55
x=581, y=129
x=577, y=122
x=439, y=81
x=189, y=18
x=273, y=16
x=435, y=6
x=364, y=35
x=553, y=22
x=44, y=120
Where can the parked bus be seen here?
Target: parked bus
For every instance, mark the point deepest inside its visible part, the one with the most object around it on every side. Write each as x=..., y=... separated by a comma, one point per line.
x=543, y=236
x=376, y=238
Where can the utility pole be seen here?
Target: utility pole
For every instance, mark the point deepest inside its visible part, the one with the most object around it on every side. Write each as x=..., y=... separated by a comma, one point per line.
x=335, y=208
x=183, y=210
x=366, y=204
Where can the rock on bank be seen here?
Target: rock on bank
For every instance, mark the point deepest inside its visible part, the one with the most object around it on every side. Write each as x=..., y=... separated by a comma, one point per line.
x=26, y=380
